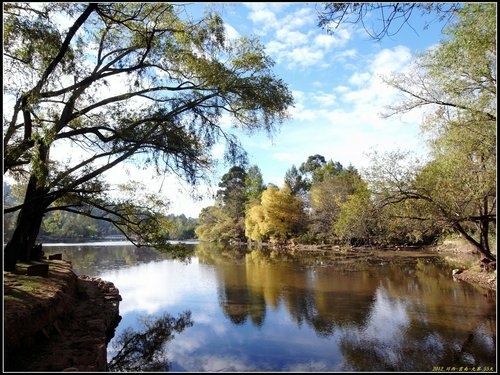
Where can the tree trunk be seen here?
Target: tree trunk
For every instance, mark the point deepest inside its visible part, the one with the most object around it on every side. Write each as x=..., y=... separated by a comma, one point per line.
x=27, y=227
x=483, y=249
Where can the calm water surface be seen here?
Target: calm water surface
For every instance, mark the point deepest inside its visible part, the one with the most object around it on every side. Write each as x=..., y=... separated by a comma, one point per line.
x=256, y=313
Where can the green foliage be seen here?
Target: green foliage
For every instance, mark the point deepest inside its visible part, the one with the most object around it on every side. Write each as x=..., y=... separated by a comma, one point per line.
x=32, y=39
x=232, y=193
x=456, y=188
x=408, y=222
x=219, y=253
x=180, y=251
x=254, y=223
x=66, y=225
x=470, y=80
x=181, y=227
x=356, y=222
x=62, y=225
x=326, y=197
x=314, y=170
x=254, y=184
x=12, y=196
x=172, y=79
x=295, y=181
x=216, y=225
x=310, y=167
x=225, y=222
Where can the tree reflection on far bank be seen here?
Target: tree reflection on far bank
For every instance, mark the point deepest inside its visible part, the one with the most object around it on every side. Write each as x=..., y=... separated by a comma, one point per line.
x=400, y=313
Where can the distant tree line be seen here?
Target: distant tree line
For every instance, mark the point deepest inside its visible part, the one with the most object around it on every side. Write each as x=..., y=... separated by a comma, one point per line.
x=399, y=200
x=63, y=225
x=319, y=202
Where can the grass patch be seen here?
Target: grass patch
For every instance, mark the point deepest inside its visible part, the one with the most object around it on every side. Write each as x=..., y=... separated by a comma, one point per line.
x=29, y=291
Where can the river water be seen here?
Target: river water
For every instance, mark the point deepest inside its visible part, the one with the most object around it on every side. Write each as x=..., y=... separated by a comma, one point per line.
x=260, y=312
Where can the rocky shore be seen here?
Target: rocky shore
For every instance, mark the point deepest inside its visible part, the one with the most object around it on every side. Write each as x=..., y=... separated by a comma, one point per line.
x=465, y=263
x=58, y=322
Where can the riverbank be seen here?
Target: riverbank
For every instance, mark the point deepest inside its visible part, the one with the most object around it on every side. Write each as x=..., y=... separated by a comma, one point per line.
x=464, y=260
x=458, y=254
x=58, y=322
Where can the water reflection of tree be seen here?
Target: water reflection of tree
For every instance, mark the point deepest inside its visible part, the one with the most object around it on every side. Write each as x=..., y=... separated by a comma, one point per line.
x=237, y=301
x=180, y=251
x=89, y=259
x=217, y=253
x=405, y=315
x=319, y=299
x=145, y=350
x=433, y=332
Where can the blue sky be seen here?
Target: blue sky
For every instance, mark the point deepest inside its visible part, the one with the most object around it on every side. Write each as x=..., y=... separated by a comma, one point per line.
x=339, y=95
x=335, y=80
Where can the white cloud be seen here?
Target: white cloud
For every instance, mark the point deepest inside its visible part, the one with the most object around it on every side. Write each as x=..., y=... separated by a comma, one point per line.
x=312, y=366
x=291, y=38
x=218, y=151
x=328, y=41
x=325, y=41
x=300, y=113
x=137, y=285
x=297, y=41
x=373, y=94
x=325, y=99
x=382, y=332
x=359, y=79
x=288, y=156
x=264, y=17
x=276, y=48
x=346, y=136
x=344, y=124
x=388, y=61
x=214, y=363
x=231, y=32
x=318, y=85
x=305, y=57
x=346, y=54
x=344, y=34
x=302, y=17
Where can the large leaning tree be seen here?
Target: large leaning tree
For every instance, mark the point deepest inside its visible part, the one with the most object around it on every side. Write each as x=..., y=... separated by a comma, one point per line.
x=122, y=82
x=456, y=83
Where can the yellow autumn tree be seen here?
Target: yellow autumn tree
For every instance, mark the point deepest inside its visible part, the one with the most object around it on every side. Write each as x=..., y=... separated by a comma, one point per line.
x=278, y=217
x=253, y=222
